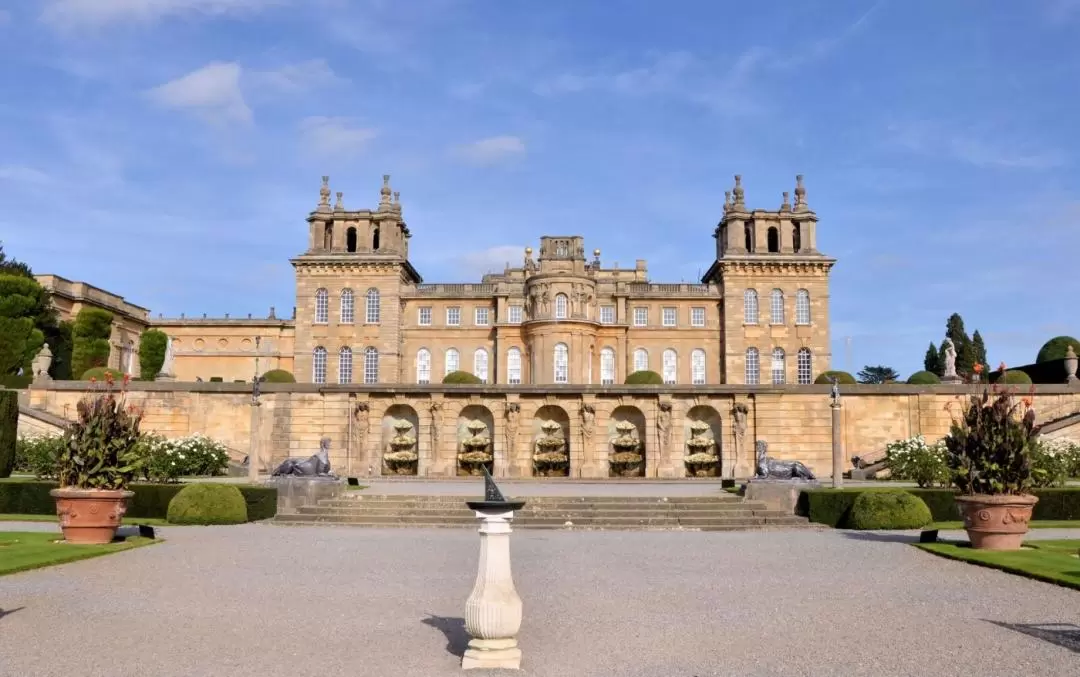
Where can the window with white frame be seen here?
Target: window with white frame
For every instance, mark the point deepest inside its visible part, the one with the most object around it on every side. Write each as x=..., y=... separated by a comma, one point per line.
x=802, y=307
x=344, y=365
x=513, y=366
x=372, y=306
x=607, y=366
x=607, y=314
x=423, y=316
x=670, y=316
x=753, y=367
x=346, y=306
x=480, y=364
x=423, y=366
x=453, y=360
x=453, y=316
x=697, y=367
x=671, y=366
x=322, y=306
x=641, y=359
x=481, y=317
x=641, y=317
x=561, y=307
x=697, y=317
x=776, y=307
x=318, y=365
x=750, y=307
x=805, y=365
x=514, y=315
x=562, y=363
x=371, y=365
x=778, y=366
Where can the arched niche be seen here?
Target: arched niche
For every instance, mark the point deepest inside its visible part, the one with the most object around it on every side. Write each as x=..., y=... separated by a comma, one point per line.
x=703, y=422
x=626, y=442
x=551, y=442
x=399, y=457
x=472, y=451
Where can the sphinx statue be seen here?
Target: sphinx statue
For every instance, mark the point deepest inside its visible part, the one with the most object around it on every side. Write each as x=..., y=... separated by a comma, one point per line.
x=772, y=469
x=316, y=465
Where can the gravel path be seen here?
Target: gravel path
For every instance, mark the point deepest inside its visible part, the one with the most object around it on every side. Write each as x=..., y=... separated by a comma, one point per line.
x=262, y=600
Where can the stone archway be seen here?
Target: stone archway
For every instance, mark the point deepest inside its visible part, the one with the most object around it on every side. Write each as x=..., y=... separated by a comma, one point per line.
x=474, y=440
x=627, y=450
x=704, y=437
x=551, y=442
x=399, y=447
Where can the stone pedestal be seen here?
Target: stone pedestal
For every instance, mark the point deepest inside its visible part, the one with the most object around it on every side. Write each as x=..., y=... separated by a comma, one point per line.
x=295, y=492
x=778, y=494
x=952, y=380
x=493, y=610
x=837, y=447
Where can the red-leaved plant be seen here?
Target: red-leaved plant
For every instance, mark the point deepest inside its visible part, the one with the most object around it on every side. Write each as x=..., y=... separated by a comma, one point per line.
x=99, y=450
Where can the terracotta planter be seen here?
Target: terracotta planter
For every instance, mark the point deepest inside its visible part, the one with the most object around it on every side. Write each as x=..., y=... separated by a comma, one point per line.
x=996, y=522
x=90, y=516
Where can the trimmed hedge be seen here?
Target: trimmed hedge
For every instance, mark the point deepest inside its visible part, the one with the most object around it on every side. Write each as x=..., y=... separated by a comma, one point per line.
x=278, y=376
x=207, y=503
x=90, y=339
x=644, y=377
x=832, y=507
x=1016, y=377
x=153, y=344
x=100, y=373
x=842, y=377
x=889, y=510
x=1055, y=348
x=923, y=378
x=461, y=377
x=9, y=428
x=150, y=500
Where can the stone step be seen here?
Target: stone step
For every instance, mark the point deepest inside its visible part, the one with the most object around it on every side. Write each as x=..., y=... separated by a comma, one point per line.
x=541, y=521
x=435, y=525
x=632, y=525
x=643, y=500
x=530, y=506
x=733, y=511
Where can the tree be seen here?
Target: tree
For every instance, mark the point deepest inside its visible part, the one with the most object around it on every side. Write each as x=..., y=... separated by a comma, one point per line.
x=90, y=338
x=152, y=346
x=24, y=305
x=13, y=267
x=932, y=360
x=978, y=349
x=878, y=374
x=965, y=354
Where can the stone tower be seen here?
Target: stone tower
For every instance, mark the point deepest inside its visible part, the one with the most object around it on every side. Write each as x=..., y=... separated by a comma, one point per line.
x=775, y=286
x=348, y=291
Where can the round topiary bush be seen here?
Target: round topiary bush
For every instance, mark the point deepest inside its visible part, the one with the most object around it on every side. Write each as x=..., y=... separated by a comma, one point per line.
x=825, y=378
x=461, y=377
x=100, y=373
x=1055, y=348
x=208, y=503
x=891, y=509
x=278, y=376
x=923, y=378
x=644, y=377
x=1015, y=377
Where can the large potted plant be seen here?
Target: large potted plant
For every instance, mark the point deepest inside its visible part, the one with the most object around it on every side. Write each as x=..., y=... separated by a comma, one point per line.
x=989, y=457
x=97, y=461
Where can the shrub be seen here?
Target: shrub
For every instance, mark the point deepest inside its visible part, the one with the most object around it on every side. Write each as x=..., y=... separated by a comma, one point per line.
x=915, y=460
x=1055, y=348
x=39, y=455
x=100, y=445
x=461, y=377
x=842, y=377
x=644, y=377
x=167, y=460
x=152, y=347
x=1015, y=377
x=102, y=374
x=278, y=376
x=923, y=378
x=1053, y=461
x=208, y=503
x=895, y=509
x=9, y=427
x=989, y=445
x=90, y=339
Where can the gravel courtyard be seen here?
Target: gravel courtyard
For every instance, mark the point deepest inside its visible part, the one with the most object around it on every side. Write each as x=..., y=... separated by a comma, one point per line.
x=268, y=601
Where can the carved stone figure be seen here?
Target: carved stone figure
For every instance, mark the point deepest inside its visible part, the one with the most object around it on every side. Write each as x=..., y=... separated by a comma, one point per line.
x=768, y=468
x=41, y=364
x=513, y=413
x=950, y=359
x=360, y=427
x=545, y=300
x=663, y=426
x=739, y=412
x=316, y=465
x=436, y=421
x=835, y=391
x=170, y=357
x=588, y=423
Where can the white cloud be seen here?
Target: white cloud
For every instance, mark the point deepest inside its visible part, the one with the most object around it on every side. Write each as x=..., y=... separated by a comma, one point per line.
x=212, y=92
x=73, y=14
x=970, y=146
x=22, y=174
x=296, y=78
x=492, y=150
x=475, y=264
x=335, y=135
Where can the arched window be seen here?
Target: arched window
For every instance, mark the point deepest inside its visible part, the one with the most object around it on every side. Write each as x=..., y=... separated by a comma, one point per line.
x=776, y=307
x=796, y=237
x=805, y=363
x=778, y=370
x=453, y=360
x=423, y=366
x=344, y=365
x=641, y=359
x=318, y=365
x=671, y=366
x=480, y=364
x=513, y=366
x=753, y=367
x=562, y=363
x=375, y=239
x=350, y=239
x=560, y=306
x=697, y=367
x=750, y=307
x=346, y=306
x=774, y=239
x=371, y=365
x=328, y=237
x=748, y=231
x=322, y=306
x=372, y=306
x=802, y=307
x=607, y=366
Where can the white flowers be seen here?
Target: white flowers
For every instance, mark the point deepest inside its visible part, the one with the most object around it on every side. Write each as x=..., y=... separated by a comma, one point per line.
x=914, y=459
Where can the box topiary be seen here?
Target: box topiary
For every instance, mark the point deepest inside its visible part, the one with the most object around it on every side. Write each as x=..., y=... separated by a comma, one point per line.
x=825, y=378
x=99, y=374
x=1016, y=377
x=890, y=509
x=9, y=426
x=208, y=503
x=461, y=377
x=1055, y=348
x=923, y=378
x=278, y=376
x=644, y=377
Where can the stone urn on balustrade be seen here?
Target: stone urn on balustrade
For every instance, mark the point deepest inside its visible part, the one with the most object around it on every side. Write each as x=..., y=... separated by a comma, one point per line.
x=626, y=461
x=476, y=451
x=402, y=458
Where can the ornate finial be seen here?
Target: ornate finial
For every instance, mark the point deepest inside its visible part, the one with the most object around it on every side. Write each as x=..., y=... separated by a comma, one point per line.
x=384, y=192
x=727, y=200
x=397, y=201
x=324, y=192
x=800, y=194
x=738, y=191
x=273, y=313
x=596, y=253
x=338, y=205
x=528, y=251
x=786, y=205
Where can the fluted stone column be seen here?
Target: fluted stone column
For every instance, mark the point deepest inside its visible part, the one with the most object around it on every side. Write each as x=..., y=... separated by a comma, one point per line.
x=493, y=610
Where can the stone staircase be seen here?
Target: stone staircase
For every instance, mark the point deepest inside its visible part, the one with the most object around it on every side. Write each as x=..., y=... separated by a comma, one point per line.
x=725, y=512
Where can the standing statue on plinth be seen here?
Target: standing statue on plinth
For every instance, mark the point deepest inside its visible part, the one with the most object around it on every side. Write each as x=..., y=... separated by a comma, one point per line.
x=835, y=392
x=170, y=355
x=950, y=360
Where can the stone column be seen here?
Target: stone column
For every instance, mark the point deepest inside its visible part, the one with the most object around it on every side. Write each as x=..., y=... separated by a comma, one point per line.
x=837, y=447
x=253, y=447
x=493, y=610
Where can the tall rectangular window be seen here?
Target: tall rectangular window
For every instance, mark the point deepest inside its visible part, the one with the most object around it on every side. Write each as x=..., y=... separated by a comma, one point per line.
x=371, y=365
x=776, y=307
x=423, y=317
x=453, y=359
x=423, y=366
x=753, y=367
x=453, y=316
x=750, y=307
x=641, y=317
x=372, y=306
x=670, y=316
x=802, y=307
x=697, y=367
x=513, y=366
x=346, y=306
x=514, y=315
x=345, y=365
x=481, y=318
x=562, y=363
x=697, y=317
x=607, y=366
x=607, y=314
x=322, y=306
x=778, y=367
x=318, y=365
x=805, y=366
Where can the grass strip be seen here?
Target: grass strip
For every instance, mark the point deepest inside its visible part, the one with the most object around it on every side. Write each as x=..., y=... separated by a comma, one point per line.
x=127, y=521
x=1034, y=524
x=1053, y=561
x=26, y=550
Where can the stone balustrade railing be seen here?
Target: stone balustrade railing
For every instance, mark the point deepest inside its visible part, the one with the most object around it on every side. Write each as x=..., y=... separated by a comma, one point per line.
x=677, y=289
x=453, y=290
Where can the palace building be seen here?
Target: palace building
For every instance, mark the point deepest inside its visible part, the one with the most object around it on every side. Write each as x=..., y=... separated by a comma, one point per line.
x=364, y=315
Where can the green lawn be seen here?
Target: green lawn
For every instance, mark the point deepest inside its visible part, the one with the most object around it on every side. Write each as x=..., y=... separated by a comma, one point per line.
x=1051, y=561
x=24, y=550
x=127, y=521
x=1034, y=524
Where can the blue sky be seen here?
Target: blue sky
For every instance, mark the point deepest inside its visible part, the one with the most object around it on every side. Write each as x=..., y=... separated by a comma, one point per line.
x=169, y=150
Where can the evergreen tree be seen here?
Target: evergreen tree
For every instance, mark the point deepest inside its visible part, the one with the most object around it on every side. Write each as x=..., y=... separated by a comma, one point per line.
x=978, y=349
x=878, y=374
x=11, y=266
x=932, y=361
